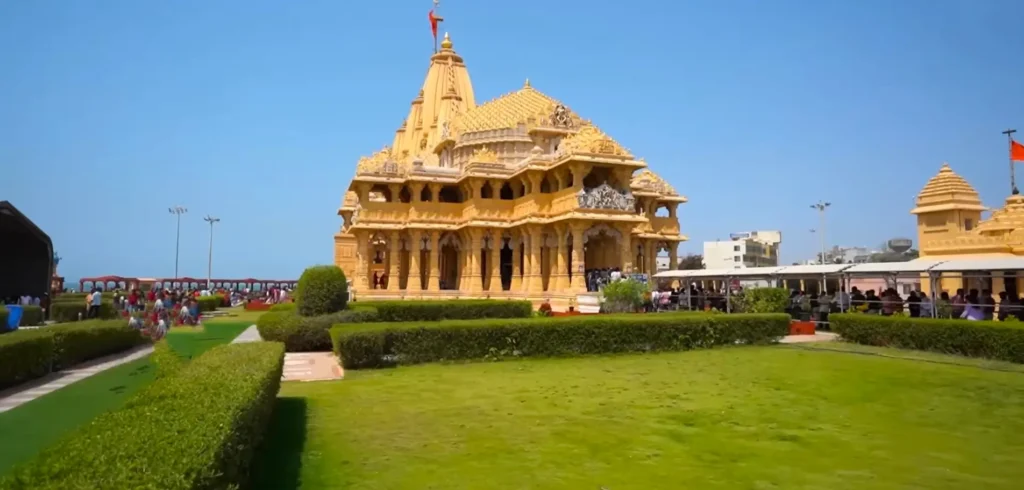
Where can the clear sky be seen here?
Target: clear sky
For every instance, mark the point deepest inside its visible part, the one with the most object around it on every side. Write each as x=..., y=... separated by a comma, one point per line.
x=257, y=111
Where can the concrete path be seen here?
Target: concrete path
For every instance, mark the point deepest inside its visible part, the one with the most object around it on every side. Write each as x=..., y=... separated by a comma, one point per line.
x=250, y=334
x=26, y=392
x=817, y=337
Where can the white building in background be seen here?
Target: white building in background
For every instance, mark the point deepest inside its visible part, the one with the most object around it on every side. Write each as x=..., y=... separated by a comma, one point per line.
x=747, y=249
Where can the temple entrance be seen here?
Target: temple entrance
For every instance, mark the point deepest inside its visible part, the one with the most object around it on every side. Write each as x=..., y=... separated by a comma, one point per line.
x=449, y=262
x=601, y=248
x=506, y=267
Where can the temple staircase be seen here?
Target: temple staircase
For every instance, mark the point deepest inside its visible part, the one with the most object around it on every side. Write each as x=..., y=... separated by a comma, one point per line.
x=588, y=302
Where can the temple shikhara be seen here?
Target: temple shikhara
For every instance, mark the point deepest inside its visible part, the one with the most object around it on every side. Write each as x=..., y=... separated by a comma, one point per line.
x=518, y=197
x=950, y=226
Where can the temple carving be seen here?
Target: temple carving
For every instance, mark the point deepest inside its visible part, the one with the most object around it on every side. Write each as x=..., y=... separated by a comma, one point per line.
x=517, y=197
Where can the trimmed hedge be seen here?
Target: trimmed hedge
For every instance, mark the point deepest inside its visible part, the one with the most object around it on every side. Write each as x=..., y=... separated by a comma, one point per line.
x=31, y=315
x=210, y=303
x=195, y=429
x=167, y=361
x=321, y=290
x=29, y=354
x=3, y=318
x=63, y=312
x=1003, y=341
x=308, y=333
x=385, y=344
x=284, y=307
x=410, y=311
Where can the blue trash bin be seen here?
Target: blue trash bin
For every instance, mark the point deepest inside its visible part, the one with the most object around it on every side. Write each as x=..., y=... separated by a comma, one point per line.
x=13, y=316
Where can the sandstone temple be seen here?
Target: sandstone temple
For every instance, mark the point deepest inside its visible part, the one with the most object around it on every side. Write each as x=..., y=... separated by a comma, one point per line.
x=518, y=197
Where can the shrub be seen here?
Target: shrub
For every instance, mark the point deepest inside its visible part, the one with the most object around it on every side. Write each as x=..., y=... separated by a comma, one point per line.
x=167, y=361
x=765, y=300
x=31, y=315
x=993, y=340
x=623, y=296
x=24, y=355
x=29, y=354
x=322, y=289
x=308, y=333
x=210, y=303
x=195, y=429
x=407, y=311
x=82, y=341
x=544, y=309
x=284, y=307
x=63, y=312
x=3, y=318
x=376, y=345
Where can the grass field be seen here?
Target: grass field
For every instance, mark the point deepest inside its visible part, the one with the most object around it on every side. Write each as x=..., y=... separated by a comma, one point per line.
x=749, y=417
x=29, y=428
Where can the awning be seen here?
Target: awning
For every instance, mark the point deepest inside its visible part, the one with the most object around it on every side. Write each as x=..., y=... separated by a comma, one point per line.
x=967, y=265
x=913, y=267
x=813, y=270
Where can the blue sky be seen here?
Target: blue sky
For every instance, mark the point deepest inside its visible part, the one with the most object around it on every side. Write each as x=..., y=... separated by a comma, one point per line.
x=256, y=111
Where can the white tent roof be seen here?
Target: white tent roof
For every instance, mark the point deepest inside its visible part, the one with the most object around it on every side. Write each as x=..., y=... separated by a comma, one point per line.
x=918, y=266
x=748, y=272
x=993, y=264
x=812, y=270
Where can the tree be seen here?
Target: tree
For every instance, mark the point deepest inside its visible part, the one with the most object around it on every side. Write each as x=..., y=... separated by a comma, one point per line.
x=691, y=262
x=322, y=289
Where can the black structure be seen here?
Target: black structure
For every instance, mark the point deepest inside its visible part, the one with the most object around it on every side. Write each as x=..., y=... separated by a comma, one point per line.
x=26, y=255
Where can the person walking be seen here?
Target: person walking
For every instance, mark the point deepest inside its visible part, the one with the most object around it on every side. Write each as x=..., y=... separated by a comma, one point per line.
x=96, y=301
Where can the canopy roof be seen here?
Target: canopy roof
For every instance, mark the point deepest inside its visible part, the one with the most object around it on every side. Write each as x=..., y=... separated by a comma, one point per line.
x=27, y=261
x=876, y=269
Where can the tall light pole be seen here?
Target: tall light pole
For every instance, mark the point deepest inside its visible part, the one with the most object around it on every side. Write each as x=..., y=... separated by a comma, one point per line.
x=209, y=264
x=821, y=206
x=178, y=211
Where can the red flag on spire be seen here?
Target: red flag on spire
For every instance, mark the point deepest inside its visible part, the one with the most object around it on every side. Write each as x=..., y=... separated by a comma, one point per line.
x=1016, y=151
x=433, y=23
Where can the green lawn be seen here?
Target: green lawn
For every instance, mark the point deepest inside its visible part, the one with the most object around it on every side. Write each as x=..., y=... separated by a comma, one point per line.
x=745, y=417
x=29, y=428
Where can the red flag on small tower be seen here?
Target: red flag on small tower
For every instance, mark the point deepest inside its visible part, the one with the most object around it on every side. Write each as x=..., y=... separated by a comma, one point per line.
x=1016, y=151
x=433, y=23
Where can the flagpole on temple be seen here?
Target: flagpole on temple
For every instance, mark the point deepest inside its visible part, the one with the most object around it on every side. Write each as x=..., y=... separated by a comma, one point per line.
x=434, y=20
x=1013, y=180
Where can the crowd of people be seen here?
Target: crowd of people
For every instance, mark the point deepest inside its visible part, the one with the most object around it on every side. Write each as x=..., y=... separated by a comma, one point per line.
x=598, y=278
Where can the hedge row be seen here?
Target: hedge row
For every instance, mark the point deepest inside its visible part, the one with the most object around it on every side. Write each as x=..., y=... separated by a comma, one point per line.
x=194, y=429
x=307, y=333
x=993, y=340
x=210, y=303
x=63, y=312
x=384, y=344
x=29, y=354
x=408, y=311
x=3, y=318
x=30, y=316
x=284, y=307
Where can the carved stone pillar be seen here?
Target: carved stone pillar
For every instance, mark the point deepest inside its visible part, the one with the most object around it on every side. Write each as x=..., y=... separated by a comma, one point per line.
x=494, y=283
x=435, y=192
x=496, y=185
x=561, y=271
x=673, y=254
x=476, y=284
x=536, y=280
x=535, y=181
x=414, y=283
x=579, y=278
x=434, y=278
x=362, y=262
x=393, y=261
x=396, y=192
x=416, y=188
x=517, y=279
x=626, y=250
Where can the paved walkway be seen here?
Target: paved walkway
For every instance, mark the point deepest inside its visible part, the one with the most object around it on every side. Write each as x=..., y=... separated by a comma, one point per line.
x=817, y=337
x=26, y=392
x=249, y=335
x=311, y=366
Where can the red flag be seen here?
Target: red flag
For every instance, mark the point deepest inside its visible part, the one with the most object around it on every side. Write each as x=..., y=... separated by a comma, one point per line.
x=1016, y=151
x=433, y=23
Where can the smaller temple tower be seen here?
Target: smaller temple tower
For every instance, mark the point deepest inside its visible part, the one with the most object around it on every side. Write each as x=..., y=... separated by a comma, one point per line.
x=946, y=207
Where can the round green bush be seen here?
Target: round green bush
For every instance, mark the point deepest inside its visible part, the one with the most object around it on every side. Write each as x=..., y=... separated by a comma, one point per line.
x=322, y=289
x=283, y=307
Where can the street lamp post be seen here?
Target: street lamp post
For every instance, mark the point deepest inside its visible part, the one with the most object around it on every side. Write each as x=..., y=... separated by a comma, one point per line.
x=821, y=206
x=178, y=211
x=209, y=264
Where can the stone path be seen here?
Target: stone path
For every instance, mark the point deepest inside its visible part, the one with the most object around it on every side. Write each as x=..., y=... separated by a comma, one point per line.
x=26, y=392
x=817, y=337
x=249, y=335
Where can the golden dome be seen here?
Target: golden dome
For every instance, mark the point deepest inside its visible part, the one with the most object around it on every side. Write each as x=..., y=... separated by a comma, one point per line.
x=446, y=43
x=1006, y=219
x=946, y=191
x=647, y=180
